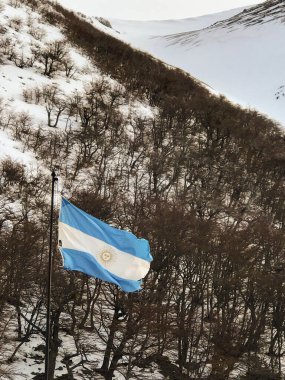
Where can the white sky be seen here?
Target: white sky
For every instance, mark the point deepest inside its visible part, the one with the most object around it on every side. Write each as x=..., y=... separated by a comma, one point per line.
x=153, y=9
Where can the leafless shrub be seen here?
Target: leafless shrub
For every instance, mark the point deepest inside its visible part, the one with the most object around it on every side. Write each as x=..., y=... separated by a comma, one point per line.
x=69, y=67
x=16, y=23
x=22, y=60
x=2, y=106
x=15, y=3
x=11, y=171
x=104, y=22
x=2, y=30
x=21, y=125
x=50, y=14
x=6, y=372
x=37, y=32
x=28, y=95
x=33, y=4
x=7, y=47
x=52, y=56
x=40, y=95
x=37, y=95
x=51, y=97
x=54, y=108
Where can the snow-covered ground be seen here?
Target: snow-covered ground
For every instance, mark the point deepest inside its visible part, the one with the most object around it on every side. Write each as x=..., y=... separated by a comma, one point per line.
x=153, y=9
x=245, y=63
x=141, y=31
x=25, y=32
x=237, y=53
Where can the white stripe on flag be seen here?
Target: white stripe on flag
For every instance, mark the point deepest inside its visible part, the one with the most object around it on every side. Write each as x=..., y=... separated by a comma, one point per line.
x=121, y=264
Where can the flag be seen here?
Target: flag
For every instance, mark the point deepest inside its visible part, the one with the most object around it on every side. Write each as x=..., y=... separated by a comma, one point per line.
x=99, y=250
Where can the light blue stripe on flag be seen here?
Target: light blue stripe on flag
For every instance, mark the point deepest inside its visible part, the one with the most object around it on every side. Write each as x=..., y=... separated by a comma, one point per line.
x=99, y=250
x=123, y=240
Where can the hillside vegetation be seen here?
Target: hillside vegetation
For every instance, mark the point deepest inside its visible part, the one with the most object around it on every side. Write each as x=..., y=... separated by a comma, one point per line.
x=147, y=148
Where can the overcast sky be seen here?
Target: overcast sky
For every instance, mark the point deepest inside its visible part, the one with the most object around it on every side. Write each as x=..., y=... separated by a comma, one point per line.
x=154, y=9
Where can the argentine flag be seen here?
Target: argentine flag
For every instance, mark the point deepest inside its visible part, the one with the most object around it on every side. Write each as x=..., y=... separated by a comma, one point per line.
x=93, y=247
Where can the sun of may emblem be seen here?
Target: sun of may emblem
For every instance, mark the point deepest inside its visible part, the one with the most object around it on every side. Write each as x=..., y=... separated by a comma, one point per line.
x=106, y=256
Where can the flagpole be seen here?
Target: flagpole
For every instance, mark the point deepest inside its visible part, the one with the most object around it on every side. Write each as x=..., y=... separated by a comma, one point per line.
x=54, y=179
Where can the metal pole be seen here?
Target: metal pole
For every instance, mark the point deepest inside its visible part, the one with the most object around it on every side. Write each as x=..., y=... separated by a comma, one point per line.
x=54, y=179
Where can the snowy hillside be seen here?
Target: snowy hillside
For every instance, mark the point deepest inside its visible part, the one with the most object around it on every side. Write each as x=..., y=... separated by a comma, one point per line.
x=148, y=149
x=43, y=78
x=241, y=57
x=142, y=29
x=34, y=87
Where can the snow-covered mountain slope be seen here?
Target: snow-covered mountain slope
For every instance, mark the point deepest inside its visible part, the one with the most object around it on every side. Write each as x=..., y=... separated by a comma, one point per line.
x=239, y=54
x=25, y=38
x=143, y=29
x=22, y=34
